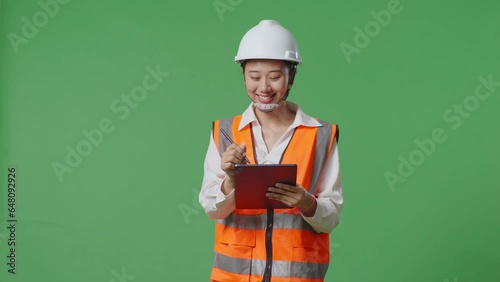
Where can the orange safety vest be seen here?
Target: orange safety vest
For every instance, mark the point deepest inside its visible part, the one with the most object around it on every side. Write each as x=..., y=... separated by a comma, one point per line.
x=257, y=244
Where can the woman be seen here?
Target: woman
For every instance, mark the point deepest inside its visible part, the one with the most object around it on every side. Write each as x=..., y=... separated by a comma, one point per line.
x=285, y=244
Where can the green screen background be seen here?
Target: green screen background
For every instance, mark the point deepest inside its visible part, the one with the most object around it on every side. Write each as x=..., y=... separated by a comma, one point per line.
x=129, y=212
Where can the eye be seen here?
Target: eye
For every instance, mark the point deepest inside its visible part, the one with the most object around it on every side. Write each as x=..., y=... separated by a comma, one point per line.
x=255, y=78
x=275, y=78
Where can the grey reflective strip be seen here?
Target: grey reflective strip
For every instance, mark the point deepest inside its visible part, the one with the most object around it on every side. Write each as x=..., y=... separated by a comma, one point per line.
x=307, y=269
x=225, y=124
x=323, y=137
x=293, y=269
x=233, y=265
x=258, y=221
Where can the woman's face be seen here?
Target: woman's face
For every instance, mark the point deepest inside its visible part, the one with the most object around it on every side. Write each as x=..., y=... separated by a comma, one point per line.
x=266, y=81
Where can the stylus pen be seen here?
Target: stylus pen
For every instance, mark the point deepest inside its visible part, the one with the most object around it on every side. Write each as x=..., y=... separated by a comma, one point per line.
x=232, y=142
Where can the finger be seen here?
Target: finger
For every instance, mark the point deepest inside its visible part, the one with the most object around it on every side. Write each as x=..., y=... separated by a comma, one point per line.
x=232, y=153
x=294, y=197
x=277, y=192
x=227, y=167
x=282, y=198
x=244, y=148
x=232, y=146
x=288, y=187
x=234, y=160
x=237, y=148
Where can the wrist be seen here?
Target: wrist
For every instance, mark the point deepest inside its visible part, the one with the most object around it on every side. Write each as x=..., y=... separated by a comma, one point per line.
x=227, y=185
x=311, y=204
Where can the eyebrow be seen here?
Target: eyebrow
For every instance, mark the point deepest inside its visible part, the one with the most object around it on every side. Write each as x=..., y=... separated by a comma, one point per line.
x=270, y=71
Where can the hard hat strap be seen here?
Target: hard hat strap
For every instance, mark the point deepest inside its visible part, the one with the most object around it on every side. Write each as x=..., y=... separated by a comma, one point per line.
x=292, y=72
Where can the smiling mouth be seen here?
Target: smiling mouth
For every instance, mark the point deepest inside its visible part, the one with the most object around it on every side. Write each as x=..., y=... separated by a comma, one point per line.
x=265, y=98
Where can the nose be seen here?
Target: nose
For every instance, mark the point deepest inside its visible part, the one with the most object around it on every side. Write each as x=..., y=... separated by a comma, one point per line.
x=264, y=85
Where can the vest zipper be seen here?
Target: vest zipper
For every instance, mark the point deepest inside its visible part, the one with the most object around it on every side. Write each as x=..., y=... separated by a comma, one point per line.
x=269, y=246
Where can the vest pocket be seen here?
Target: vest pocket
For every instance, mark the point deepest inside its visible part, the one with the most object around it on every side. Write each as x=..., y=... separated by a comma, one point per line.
x=310, y=254
x=237, y=244
x=233, y=255
x=238, y=237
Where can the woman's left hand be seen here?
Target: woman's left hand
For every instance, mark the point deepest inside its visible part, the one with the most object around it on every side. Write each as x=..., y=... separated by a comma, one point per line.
x=293, y=196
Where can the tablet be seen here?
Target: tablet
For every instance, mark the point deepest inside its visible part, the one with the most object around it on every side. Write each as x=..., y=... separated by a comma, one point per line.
x=252, y=182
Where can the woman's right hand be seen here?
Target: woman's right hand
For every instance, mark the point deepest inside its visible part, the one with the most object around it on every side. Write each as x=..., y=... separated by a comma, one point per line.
x=233, y=155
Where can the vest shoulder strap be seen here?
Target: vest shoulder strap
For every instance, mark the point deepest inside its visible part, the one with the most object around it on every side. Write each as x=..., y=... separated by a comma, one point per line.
x=326, y=135
x=226, y=124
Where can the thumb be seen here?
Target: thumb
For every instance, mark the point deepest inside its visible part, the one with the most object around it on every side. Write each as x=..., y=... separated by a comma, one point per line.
x=243, y=146
x=245, y=159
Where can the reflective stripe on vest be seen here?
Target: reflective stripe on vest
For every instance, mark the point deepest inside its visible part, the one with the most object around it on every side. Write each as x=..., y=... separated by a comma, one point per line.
x=258, y=221
x=280, y=268
x=299, y=252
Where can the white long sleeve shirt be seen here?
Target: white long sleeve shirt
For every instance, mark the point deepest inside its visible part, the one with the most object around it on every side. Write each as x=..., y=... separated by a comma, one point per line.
x=329, y=193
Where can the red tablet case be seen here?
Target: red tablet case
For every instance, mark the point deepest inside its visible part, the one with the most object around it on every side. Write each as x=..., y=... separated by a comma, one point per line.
x=252, y=182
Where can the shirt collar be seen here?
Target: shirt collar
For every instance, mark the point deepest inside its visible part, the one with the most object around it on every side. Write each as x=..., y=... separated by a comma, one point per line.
x=300, y=117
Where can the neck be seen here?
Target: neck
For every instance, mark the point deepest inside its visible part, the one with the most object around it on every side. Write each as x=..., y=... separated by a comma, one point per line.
x=280, y=115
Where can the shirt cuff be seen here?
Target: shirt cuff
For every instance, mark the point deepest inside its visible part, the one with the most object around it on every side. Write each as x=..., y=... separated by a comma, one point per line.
x=315, y=220
x=220, y=198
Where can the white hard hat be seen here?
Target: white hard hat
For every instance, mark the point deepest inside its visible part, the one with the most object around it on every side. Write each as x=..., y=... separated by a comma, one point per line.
x=268, y=40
